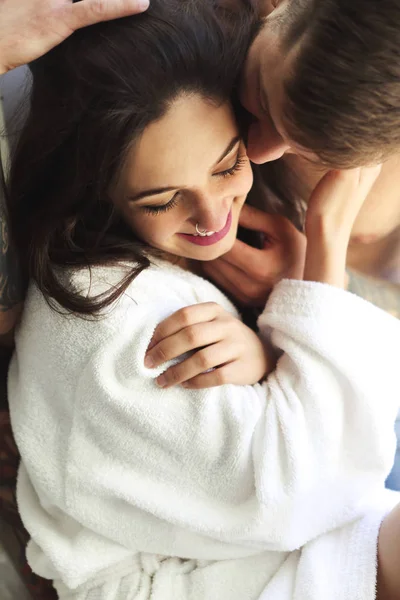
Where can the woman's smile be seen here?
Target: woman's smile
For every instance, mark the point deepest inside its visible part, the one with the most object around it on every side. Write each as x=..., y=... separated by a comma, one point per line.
x=210, y=237
x=182, y=189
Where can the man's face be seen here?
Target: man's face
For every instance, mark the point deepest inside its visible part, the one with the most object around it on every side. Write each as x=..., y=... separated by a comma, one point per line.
x=262, y=91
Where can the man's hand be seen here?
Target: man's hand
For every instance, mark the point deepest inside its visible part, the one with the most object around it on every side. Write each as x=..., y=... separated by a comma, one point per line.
x=332, y=210
x=248, y=274
x=30, y=28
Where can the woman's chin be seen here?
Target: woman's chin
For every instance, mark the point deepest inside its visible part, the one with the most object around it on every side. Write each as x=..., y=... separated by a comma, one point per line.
x=208, y=253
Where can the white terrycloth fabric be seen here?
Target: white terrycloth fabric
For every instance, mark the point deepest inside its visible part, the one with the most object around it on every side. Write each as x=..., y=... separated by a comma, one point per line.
x=272, y=491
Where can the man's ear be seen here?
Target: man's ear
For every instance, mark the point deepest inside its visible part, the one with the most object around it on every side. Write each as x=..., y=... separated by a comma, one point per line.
x=267, y=7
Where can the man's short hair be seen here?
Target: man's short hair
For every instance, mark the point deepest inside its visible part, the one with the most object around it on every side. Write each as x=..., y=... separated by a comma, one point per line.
x=342, y=95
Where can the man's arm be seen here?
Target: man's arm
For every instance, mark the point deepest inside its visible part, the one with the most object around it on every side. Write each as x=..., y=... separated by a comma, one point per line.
x=30, y=28
x=384, y=294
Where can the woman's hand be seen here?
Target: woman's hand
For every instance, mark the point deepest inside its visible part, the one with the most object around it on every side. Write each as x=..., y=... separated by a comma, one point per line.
x=30, y=28
x=332, y=211
x=224, y=350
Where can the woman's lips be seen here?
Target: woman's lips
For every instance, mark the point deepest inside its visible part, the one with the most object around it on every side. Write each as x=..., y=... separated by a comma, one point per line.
x=210, y=239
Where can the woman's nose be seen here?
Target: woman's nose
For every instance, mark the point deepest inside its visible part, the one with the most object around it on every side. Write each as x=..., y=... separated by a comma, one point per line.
x=212, y=213
x=264, y=143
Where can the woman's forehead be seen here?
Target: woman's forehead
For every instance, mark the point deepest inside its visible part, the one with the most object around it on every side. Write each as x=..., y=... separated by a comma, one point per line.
x=189, y=138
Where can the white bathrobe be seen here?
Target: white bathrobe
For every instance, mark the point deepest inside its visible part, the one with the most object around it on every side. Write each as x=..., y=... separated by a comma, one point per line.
x=271, y=491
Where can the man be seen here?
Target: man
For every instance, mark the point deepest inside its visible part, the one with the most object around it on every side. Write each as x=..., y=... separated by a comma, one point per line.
x=322, y=81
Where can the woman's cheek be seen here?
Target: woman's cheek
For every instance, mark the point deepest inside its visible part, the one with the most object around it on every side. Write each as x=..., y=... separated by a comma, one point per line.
x=157, y=230
x=244, y=181
x=141, y=226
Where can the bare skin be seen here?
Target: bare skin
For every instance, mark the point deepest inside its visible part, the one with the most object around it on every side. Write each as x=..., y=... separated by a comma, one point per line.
x=30, y=28
x=373, y=256
x=375, y=245
x=388, y=583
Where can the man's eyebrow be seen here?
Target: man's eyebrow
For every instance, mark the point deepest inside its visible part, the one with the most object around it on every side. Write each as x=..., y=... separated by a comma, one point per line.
x=170, y=188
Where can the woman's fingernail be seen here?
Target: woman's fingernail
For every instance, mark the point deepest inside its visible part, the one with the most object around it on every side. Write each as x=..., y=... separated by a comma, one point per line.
x=148, y=362
x=162, y=381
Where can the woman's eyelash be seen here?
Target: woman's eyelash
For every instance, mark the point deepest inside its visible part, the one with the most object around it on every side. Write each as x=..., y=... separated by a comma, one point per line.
x=156, y=210
x=240, y=162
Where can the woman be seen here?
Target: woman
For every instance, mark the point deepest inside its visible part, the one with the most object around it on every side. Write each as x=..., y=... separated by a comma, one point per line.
x=132, y=488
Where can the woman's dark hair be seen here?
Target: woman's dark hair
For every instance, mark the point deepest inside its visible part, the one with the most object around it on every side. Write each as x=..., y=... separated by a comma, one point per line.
x=91, y=97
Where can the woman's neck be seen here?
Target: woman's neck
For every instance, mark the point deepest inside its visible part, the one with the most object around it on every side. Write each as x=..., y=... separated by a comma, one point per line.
x=187, y=264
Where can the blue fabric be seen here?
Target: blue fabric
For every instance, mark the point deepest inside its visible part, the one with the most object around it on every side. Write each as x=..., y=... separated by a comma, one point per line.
x=393, y=480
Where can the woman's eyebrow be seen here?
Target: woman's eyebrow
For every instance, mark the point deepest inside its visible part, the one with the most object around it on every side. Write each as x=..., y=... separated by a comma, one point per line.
x=228, y=149
x=152, y=192
x=155, y=191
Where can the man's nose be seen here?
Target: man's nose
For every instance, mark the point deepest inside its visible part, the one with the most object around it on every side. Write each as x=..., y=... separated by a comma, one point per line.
x=264, y=143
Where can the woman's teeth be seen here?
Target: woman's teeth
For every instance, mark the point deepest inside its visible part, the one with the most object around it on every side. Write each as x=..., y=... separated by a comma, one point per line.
x=207, y=234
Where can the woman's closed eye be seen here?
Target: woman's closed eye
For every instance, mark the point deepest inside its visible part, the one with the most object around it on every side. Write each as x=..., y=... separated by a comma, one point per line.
x=240, y=161
x=152, y=209
x=156, y=210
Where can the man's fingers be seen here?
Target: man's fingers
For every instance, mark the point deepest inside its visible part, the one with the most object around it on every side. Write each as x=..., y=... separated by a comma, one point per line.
x=258, y=220
x=30, y=28
x=246, y=257
x=185, y=317
x=278, y=229
x=88, y=12
x=252, y=218
x=264, y=266
x=249, y=291
x=213, y=272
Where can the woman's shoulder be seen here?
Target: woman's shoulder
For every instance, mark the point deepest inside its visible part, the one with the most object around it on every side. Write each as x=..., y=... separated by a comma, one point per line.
x=157, y=291
x=52, y=336
x=155, y=284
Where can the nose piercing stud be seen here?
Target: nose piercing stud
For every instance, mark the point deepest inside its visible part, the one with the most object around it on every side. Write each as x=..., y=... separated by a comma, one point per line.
x=203, y=232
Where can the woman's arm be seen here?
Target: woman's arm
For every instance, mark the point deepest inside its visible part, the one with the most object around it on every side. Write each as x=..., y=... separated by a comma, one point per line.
x=273, y=464
x=270, y=465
